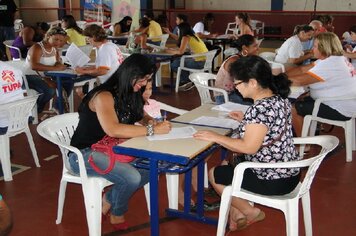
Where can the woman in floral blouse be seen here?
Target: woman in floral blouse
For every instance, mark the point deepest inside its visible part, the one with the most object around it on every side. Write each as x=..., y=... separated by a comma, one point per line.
x=264, y=135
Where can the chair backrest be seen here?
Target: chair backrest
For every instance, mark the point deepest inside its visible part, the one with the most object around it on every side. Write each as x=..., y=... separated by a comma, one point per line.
x=268, y=56
x=277, y=67
x=231, y=28
x=18, y=25
x=59, y=130
x=8, y=44
x=204, y=82
x=209, y=57
x=257, y=26
x=17, y=113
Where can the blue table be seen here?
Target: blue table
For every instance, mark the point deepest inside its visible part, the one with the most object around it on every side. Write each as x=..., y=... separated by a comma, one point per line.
x=68, y=73
x=176, y=156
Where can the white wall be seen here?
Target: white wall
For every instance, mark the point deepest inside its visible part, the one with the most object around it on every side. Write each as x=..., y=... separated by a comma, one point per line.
x=323, y=5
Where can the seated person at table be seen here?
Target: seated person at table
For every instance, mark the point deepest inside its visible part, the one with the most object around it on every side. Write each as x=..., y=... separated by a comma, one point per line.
x=332, y=75
x=112, y=109
x=264, y=135
x=153, y=30
x=291, y=52
x=43, y=56
x=138, y=39
x=188, y=40
x=351, y=48
x=203, y=28
x=108, y=57
x=10, y=90
x=246, y=46
x=180, y=18
x=27, y=37
x=74, y=32
x=122, y=27
x=243, y=21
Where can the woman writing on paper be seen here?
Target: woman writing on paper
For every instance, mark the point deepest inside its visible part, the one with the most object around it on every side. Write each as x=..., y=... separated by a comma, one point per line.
x=112, y=109
x=264, y=135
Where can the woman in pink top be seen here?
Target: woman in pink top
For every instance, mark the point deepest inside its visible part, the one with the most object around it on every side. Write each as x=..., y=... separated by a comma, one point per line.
x=247, y=46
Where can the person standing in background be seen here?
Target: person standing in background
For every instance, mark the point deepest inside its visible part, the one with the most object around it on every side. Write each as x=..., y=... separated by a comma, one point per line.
x=7, y=31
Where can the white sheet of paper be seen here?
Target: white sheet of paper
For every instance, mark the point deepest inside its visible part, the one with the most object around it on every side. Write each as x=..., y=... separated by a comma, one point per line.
x=175, y=133
x=76, y=57
x=296, y=91
x=230, y=106
x=216, y=121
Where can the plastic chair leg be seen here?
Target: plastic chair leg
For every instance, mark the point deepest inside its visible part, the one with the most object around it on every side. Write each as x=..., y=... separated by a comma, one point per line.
x=32, y=146
x=147, y=195
x=224, y=210
x=61, y=199
x=159, y=77
x=349, y=140
x=307, y=214
x=92, y=199
x=291, y=215
x=5, y=157
x=178, y=78
x=71, y=102
x=172, y=190
x=206, y=180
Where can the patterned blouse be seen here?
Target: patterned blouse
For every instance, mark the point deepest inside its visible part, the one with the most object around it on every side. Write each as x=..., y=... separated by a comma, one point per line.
x=272, y=112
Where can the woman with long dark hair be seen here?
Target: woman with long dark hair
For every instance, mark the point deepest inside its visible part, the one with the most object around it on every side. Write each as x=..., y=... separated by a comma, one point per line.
x=242, y=19
x=264, y=135
x=187, y=39
x=74, y=32
x=112, y=109
x=123, y=27
x=246, y=46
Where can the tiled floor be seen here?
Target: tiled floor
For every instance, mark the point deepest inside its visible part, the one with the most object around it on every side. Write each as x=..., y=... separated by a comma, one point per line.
x=32, y=195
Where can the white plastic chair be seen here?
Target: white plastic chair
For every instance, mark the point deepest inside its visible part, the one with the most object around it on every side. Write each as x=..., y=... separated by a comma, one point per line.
x=287, y=203
x=17, y=113
x=172, y=178
x=268, y=56
x=162, y=46
x=201, y=81
x=59, y=130
x=18, y=25
x=310, y=122
x=258, y=27
x=8, y=44
x=231, y=28
x=209, y=56
x=277, y=67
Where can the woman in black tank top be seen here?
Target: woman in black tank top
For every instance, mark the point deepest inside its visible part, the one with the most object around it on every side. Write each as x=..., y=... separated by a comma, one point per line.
x=112, y=109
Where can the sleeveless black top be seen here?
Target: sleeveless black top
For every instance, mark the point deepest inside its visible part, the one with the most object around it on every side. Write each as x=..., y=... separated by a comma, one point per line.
x=89, y=130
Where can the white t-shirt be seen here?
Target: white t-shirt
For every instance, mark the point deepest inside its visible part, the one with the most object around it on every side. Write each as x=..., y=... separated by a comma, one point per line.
x=291, y=48
x=10, y=87
x=199, y=28
x=353, y=61
x=337, y=78
x=109, y=56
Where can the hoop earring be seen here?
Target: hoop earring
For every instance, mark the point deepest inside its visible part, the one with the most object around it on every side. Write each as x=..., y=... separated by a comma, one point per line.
x=244, y=53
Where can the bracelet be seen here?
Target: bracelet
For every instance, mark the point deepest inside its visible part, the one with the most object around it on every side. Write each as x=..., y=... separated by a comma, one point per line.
x=150, y=131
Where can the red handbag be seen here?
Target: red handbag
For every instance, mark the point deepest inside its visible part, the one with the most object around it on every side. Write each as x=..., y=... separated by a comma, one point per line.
x=105, y=145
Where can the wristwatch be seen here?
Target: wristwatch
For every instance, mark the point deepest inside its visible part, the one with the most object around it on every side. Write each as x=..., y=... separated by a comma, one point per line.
x=150, y=131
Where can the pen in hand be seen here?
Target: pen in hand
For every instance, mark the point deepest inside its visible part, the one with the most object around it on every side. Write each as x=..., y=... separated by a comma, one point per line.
x=164, y=115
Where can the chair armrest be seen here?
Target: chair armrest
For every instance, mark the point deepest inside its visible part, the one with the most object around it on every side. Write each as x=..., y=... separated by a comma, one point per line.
x=320, y=100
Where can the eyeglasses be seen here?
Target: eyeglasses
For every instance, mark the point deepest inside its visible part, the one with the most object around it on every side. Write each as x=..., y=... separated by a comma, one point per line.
x=237, y=83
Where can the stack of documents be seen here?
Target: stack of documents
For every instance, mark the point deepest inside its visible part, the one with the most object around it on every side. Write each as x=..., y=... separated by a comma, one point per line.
x=230, y=106
x=175, y=133
x=76, y=57
x=216, y=122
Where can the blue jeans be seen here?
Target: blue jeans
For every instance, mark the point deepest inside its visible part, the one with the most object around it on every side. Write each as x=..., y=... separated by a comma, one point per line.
x=67, y=85
x=190, y=63
x=233, y=97
x=35, y=82
x=126, y=178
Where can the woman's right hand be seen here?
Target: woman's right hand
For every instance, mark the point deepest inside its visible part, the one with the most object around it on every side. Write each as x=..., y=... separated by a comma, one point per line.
x=166, y=30
x=60, y=66
x=162, y=127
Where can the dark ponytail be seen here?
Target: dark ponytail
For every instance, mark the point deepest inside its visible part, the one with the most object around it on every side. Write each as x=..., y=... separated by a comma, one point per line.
x=255, y=67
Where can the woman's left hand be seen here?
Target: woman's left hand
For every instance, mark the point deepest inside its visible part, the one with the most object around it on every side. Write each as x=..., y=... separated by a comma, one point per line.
x=206, y=135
